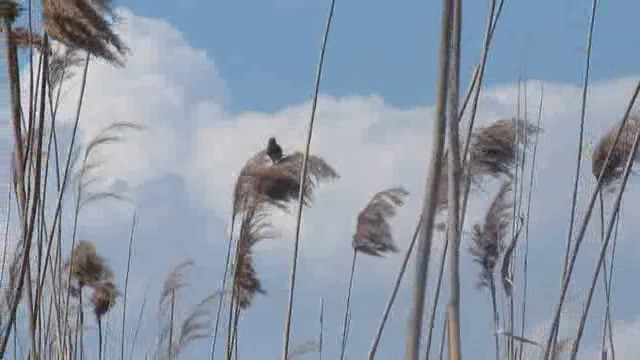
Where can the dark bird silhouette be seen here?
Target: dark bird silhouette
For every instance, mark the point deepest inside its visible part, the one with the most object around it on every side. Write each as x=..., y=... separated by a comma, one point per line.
x=274, y=151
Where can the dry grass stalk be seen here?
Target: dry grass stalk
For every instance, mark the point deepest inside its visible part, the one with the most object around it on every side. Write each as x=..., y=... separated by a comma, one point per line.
x=494, y=149
x=487, y=240
x=87, y=25
x=619, y=154
x=254, y=228
x=373, y=232
x=279, y=183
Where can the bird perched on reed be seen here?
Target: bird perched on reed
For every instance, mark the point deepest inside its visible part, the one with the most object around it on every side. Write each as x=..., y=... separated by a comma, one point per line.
x=274, y=151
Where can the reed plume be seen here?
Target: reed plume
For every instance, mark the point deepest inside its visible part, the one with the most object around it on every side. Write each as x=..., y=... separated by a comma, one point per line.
x=87, y=267
x=61, y=64
x=306, y=347
x=279, y=183
x=254, y=228
x=487, y=244
x=195, y=325
x=619, y=154
x=494, y=149
x=373, y=237
x=172, y=284
x=87, y=25
x=373, y=232
x=487, y=240
x=20, y=36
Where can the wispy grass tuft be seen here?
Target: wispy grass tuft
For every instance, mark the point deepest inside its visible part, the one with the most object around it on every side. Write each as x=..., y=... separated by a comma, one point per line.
x=87, y=25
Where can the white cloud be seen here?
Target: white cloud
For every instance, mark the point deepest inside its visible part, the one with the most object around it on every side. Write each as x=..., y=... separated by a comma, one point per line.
x=175, y=91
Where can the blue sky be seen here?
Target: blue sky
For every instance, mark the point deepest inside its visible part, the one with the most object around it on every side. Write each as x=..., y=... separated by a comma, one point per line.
x=270, y=47
x=212, y=81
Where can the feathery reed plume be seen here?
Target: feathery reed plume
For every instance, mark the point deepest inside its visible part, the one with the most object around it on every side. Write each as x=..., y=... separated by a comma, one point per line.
x=61, y=63
x=104, y=295
x=175, y=280
x=196, y=325
x=85, y=24
x=254, y=228
x=173, y=283
x=560, y=347
x=619, y=153
x=373, y=232
x=487, y=240
x=373, y=237
x=307, y=347
x=87, y=267
x=494, y=148
x=21, y=39
x=487, y=245
x=279, y=183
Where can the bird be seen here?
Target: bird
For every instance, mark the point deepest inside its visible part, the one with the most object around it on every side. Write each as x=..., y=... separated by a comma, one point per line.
x=274, y=151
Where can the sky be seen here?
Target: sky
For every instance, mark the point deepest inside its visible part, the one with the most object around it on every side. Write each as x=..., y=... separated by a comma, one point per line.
x=210, y=82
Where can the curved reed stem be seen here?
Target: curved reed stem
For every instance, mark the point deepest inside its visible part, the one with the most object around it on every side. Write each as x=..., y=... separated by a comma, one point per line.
x=343, y=345
x=126, y=288
x=303, y=177
x=603, y=249
x=585, y=87
x=583, y=229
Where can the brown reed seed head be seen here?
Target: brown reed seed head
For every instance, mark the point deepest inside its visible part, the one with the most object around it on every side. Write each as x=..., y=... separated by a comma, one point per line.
x=619, y=154
x=87, y=266
x=20, y=37
x=487, y=239
x=175, y=280
x=104, y=296
x=495, y=148
x=373, y=233
x=254, y=228
x=9, y=10
x=279, y=184
x=82, y=24
x=61, y=65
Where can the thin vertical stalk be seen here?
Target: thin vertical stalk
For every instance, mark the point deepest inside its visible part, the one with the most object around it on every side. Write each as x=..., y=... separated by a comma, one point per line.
x=171, y=317
x=445, y=328
x=346, y=310
x=394, y=293
x=99, y=338
x=603, y=249
x=432, y=185
x=454, y=178
x=434, y=307
x=496, y=316
x=526, y=231
x=303, y=176
x=224, y=284
x=585, y=87
x=126, y=287
x=321, y=335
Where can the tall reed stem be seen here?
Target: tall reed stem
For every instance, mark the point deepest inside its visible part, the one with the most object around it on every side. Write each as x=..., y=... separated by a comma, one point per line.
x=345, y=331
x=432, y=185
x=303, y=176
x=454, y=178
